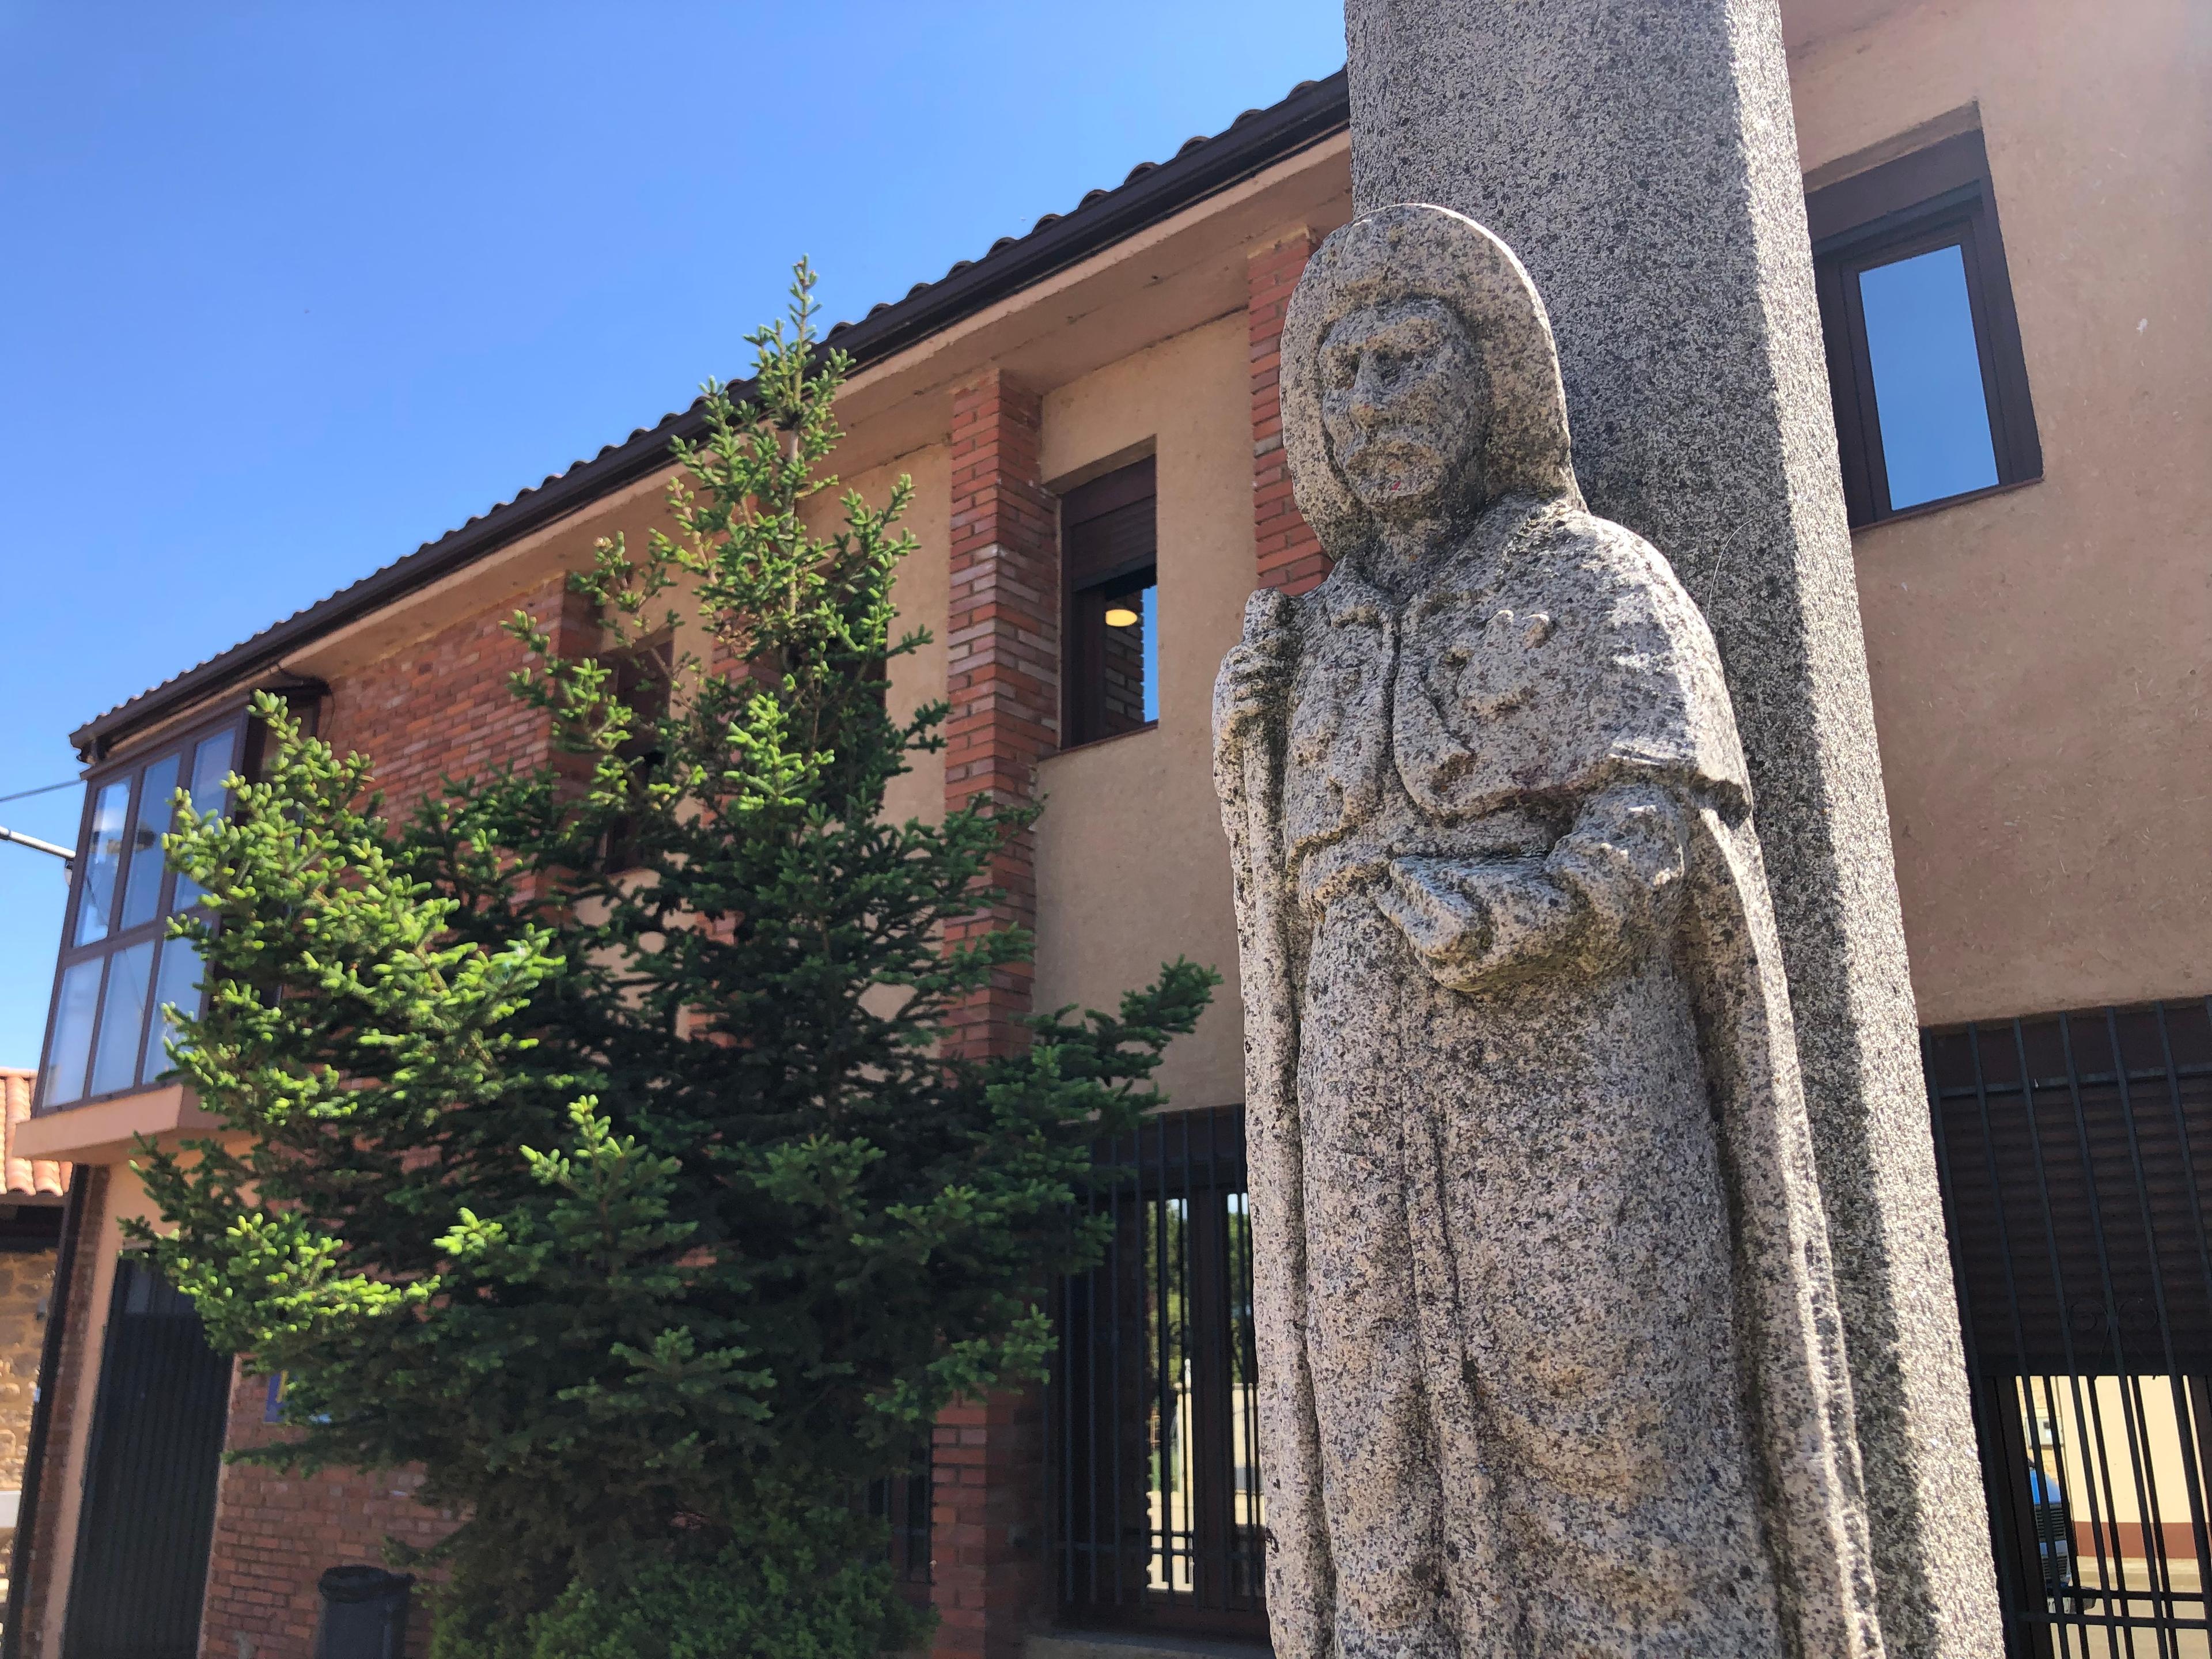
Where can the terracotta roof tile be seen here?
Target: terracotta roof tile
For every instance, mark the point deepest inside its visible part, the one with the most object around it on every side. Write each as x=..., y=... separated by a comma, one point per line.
x=28, y=1177
x=1256, y=138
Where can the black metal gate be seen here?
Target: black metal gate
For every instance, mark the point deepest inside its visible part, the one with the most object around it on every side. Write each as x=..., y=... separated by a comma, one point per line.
x=1152, y=1415
x=2075, y=1155
x=148, y=1511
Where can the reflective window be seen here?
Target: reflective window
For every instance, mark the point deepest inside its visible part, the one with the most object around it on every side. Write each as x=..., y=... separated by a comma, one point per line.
x=122, y=1019
x=141, y=886
x=176, y=985
x=211, y=763
x=1111, y=624
x=75, y=1002
x=1924, y=360
x=1927, y=372
x=103, y=861
x=107, y=1032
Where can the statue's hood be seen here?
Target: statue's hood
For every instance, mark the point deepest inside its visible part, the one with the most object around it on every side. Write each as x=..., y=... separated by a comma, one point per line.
x=1431, y=253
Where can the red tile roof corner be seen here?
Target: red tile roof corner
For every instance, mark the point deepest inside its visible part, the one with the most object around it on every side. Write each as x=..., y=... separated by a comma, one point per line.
x=28, y=1177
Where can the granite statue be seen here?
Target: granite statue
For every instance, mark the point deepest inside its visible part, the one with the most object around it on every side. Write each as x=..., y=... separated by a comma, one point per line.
x=1549, y=1348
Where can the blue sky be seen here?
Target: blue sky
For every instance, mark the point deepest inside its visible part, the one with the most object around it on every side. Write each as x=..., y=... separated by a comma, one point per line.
x=293, y=288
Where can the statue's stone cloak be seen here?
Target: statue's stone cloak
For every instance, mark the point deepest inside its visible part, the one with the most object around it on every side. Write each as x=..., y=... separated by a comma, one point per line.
x=1550, y=670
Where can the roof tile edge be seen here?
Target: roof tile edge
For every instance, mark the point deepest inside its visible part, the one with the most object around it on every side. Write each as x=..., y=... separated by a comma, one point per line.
x=1313, y=111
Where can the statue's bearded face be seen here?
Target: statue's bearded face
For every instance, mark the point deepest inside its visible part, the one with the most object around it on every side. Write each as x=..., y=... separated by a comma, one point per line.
x=1401, y=403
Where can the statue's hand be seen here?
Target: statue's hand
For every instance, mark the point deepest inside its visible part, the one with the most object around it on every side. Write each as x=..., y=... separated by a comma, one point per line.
x=1476, y=922
x=1255, y=675
x=1607, y=888
x=1428, y=901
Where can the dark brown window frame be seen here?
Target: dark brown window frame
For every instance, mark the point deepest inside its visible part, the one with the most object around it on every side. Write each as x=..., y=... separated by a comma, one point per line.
x=642, y=675
x=1934, y=198
x=1108, y=549
x=183, y=742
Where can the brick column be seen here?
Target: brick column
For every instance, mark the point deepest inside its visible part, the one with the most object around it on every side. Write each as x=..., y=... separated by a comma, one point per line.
x=1002, y=647
x=74, y=1382
x=1002, y=662
x=1289, y=554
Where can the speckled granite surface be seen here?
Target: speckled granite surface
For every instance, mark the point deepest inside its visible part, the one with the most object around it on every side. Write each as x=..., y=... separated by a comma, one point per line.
x=1548, y=1321
x=1643, y=160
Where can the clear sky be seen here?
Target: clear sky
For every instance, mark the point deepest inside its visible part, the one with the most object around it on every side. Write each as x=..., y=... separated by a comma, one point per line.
x=290, y=289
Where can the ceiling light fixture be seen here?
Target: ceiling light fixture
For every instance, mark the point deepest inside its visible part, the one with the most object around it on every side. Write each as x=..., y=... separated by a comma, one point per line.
x=1119, y=616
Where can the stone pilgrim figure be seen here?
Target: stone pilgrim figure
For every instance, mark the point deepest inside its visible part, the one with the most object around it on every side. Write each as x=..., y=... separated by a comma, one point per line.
x=1550, y=1355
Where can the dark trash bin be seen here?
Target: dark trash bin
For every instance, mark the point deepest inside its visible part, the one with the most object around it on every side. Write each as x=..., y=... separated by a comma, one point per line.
x=364, y=1614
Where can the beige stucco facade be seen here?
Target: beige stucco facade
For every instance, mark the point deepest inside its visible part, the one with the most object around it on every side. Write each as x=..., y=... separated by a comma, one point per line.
x=1132, y=867
x=2039, y=658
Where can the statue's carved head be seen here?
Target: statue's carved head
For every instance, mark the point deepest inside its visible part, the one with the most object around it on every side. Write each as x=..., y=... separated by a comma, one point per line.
x=1419, y=377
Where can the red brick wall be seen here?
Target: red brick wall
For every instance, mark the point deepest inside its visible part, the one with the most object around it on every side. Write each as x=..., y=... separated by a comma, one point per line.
x=1002, y=651
x=1290, y=555
x=275, y=1533
x=442, y=704
x=74, y=1382
x=1002, y=638
x=439, y=706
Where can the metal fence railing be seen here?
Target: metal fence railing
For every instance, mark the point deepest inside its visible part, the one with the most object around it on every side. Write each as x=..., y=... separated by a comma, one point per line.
x=1152, y=1414
x=2076, y=1156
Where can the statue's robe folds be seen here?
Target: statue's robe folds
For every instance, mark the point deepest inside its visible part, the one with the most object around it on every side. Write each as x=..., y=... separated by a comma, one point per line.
x=1549, y=1350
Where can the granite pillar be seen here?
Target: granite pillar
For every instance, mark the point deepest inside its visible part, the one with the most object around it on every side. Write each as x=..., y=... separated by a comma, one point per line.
x=1642, y=161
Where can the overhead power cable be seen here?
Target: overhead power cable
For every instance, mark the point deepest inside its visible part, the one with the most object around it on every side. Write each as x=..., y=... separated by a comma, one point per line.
x=46, y=789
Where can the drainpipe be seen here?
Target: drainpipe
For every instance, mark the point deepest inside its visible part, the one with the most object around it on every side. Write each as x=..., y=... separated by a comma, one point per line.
x=42, y=1411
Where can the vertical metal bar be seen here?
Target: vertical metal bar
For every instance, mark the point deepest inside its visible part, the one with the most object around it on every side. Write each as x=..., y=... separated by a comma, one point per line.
x=2059, y=1289
x=1186, y=1462
x=2192, y=1446
x=1115, y=1405
x=1977, y=1384
x=2162, y=1577
x=2045, y=1556
x=2104, y=1276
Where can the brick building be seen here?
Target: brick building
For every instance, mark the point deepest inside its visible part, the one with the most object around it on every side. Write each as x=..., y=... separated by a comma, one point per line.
x=1089, y=413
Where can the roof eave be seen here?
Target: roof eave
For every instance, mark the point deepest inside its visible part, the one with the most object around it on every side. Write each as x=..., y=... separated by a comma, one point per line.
x=1311, y=114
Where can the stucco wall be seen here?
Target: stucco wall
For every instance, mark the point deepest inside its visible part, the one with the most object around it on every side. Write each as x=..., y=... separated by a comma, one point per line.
x=2040, y=657
x=1131, y=866
x=919, y=591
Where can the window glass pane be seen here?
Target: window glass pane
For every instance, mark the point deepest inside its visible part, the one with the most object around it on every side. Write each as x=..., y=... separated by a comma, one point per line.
x=211, y=765
x=1152, y=627
x=71, y=1046
x=1125, y=693
x=104, y=861
x=1927, y=378
x=122, y=1019
x=141, y=891
x=176, y=986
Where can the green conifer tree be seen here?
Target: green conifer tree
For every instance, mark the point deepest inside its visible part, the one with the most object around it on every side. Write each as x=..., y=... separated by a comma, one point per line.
x=590, y=1136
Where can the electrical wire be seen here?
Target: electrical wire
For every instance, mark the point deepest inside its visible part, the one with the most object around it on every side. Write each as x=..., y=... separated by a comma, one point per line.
x=48, y=789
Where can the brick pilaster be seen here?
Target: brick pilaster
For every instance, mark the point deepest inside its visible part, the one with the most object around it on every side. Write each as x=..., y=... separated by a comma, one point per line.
x=1002, y=641
x=1289, y=554
x=74, y=1382
x=1002, y=670
x=989, y=1582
